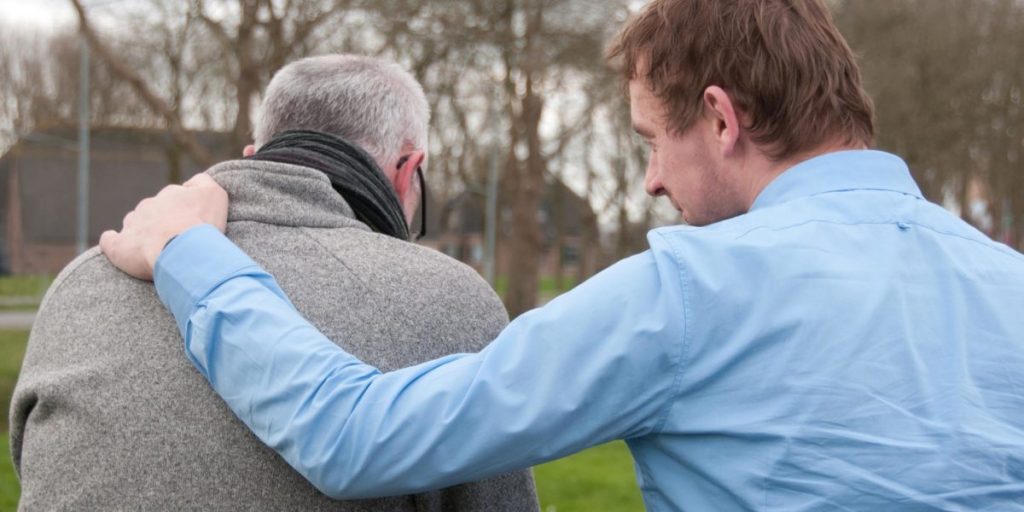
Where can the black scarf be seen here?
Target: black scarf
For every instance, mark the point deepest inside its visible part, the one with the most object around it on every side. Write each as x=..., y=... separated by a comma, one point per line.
x=352, y=172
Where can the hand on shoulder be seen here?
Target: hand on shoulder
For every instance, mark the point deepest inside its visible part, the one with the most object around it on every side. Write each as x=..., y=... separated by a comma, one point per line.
x=156, y=220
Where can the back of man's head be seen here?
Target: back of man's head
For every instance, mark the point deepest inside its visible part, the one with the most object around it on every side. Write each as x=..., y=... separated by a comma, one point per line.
x=370, y=102
x=783, y=62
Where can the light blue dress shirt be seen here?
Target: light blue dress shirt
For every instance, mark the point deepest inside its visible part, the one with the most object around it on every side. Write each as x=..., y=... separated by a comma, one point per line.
x=846, y=345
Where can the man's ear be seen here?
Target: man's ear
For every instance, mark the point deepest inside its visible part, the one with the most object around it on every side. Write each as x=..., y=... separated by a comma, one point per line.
x=407, y=173
x=725, y=121
x=249, y=150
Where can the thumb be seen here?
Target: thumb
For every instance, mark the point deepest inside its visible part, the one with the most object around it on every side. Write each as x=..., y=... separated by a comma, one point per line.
x=112, y=246
x=108, y=242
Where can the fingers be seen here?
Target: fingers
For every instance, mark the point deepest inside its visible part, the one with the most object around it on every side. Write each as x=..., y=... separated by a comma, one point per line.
x=146, y=230
x=108, y=242
x=207, y=184
x=121, y=252
x=212, y=196
x=164, y=192
x=193, y=181
x=199, y=180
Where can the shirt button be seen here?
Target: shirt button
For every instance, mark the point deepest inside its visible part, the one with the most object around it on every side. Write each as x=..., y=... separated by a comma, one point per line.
x=903, y=226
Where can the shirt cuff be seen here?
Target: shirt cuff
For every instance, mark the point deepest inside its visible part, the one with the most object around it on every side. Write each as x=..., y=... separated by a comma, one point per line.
x=192, y=265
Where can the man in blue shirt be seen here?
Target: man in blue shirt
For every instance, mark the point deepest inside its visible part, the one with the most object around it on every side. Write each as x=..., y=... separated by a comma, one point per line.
x=820, y=337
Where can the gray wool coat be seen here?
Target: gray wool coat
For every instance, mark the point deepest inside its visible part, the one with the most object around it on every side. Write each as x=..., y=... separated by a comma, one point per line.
x=109, y=414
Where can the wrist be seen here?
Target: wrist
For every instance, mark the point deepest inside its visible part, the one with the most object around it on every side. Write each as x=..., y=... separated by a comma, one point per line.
x=155, y=247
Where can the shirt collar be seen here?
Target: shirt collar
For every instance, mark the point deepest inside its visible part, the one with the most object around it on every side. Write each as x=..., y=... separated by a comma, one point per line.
x=838, y=172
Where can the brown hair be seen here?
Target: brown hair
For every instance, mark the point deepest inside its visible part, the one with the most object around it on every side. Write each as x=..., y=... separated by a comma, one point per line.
x=783, y=62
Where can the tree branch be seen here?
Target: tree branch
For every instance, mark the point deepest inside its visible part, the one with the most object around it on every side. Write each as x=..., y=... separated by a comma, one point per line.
x=186, y=139
x=215, y=28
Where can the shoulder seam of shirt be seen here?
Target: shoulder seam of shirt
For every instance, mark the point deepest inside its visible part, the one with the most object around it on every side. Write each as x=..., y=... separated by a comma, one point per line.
x=997, y=247
x=681, y=358
x=813, y=221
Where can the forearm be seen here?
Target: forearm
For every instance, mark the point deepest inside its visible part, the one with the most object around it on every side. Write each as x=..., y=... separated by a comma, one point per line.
x=356, y=433
x=548, y=386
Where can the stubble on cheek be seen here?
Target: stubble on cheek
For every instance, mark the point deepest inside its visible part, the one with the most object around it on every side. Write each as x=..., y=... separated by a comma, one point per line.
x=715, y=201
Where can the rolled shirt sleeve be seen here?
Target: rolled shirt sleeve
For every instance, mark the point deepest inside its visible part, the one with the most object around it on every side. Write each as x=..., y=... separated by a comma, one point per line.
x=598, y=363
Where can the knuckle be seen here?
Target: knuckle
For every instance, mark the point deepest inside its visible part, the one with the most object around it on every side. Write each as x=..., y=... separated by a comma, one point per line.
x=106, y=239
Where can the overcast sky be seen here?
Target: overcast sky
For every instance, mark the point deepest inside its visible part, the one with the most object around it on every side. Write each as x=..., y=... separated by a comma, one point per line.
x=42, y=14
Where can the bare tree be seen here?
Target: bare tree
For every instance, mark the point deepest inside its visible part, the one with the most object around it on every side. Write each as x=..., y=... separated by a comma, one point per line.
x=255, y=38
x=141, y=86
x=518, y=58
x=947, y=77
x=534, y=64
x=42, y=85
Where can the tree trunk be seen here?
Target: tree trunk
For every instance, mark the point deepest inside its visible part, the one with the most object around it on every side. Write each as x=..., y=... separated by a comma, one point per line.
x=525, y=244
x=248, y=80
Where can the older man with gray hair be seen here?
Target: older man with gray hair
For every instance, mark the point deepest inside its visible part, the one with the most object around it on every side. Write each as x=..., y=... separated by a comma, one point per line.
x=108, y=415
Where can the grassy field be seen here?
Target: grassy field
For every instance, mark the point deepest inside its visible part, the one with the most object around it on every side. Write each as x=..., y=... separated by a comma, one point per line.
x=547, y=289
x=24, y=286
x=598, y=479
x=12, y=350
x=23, y=293
x=9, y=489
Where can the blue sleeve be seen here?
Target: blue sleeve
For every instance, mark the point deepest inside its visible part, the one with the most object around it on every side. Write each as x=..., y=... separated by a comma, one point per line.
x=596, y=364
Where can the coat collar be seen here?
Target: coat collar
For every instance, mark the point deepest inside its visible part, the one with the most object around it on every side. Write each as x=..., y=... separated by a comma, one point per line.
x=282, y=194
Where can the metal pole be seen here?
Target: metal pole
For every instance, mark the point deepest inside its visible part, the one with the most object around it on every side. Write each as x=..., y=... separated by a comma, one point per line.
x=491, y=214
x=83, y=149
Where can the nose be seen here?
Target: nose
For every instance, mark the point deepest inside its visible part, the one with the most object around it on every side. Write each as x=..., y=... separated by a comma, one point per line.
x=652, y=179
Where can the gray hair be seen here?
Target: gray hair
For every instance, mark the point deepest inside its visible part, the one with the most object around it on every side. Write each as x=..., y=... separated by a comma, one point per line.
x=368, y=101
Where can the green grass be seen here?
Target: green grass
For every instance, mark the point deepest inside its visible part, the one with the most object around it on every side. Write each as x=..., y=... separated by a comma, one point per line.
x=19, y=307
x=598, y=479
x=24, y=286
x=12, y=350
x=601, y=478
x=9, y=488
x=548, y=287
x=23, y=293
